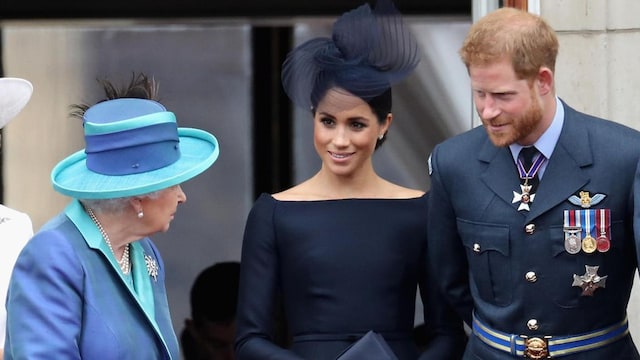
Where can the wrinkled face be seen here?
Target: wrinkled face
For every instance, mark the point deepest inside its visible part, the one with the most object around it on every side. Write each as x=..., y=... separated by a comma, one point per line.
x=345, y=132
x=160, y=211
x=510, y=108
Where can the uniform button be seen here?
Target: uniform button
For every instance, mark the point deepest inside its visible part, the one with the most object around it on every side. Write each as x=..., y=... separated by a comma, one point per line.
x=530, y=228
x=531, y=276
x=476, y=247
x=532, y=324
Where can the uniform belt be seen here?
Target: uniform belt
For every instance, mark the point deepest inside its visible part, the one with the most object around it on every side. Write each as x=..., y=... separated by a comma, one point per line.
x=546, y=347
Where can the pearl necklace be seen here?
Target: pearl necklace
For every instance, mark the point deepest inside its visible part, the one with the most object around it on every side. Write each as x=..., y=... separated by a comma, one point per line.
x=125, y=264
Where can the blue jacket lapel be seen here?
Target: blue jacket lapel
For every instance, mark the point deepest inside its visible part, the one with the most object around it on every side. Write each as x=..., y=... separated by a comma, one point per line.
x=500, y=175
x=564, y=174
x=92, y=236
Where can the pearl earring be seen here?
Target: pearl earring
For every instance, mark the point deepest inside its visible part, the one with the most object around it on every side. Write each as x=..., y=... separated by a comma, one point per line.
x=140, y=214
x=381, y=137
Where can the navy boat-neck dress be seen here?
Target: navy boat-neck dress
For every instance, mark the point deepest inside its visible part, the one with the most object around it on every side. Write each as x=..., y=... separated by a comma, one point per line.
x=343, y=267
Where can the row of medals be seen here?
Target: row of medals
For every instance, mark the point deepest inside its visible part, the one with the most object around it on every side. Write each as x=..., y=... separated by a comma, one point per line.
x=573, y=244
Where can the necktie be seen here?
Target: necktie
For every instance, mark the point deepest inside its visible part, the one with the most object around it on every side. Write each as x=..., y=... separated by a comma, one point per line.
x=527, y=156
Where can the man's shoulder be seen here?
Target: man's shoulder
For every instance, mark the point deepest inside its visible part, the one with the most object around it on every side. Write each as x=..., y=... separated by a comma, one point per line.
x=598, y=124
x=470, y=139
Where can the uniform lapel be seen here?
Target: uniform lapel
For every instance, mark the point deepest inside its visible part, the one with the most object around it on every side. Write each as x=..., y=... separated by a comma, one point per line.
x=500, y=175
x=565, y=173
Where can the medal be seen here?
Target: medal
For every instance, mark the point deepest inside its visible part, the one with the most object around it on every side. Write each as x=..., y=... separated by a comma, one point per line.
x=572, y=231
x=526, y=197
x=572, y=243
x=590, y=281
x=588, y=242
x=603, y=221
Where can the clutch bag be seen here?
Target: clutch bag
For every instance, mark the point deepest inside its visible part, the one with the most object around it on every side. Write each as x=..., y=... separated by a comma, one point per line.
x=371, y=346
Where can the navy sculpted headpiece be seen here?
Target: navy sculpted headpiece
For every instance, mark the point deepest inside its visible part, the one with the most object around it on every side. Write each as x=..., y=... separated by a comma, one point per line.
x=369, y=51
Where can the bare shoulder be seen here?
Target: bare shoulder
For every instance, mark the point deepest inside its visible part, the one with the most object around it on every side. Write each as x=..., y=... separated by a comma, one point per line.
x=301, y=192
x=401, y=192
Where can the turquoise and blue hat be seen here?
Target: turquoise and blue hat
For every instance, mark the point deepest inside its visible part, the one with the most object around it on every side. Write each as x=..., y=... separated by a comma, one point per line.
x=133, y=147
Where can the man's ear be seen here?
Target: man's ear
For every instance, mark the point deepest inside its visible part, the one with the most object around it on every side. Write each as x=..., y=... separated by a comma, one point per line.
x=544, y=81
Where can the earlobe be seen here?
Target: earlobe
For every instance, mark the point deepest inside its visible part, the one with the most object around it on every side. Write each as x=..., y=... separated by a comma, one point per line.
x=136, y=204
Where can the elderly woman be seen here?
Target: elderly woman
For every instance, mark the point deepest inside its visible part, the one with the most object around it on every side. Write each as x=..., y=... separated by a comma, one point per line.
x=90, y=283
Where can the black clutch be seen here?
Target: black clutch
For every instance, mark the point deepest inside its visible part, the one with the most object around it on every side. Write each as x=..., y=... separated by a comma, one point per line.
x=371, y=346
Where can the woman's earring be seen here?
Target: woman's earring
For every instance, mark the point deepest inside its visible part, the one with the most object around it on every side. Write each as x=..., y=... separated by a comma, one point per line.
x=381, y=137
x=140, y=214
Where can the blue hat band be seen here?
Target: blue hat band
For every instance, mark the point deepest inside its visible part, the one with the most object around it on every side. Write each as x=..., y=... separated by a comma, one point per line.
x=133, y=151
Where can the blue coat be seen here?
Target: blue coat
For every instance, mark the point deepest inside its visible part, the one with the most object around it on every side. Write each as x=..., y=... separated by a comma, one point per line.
x=67, y=300
x=511, y=266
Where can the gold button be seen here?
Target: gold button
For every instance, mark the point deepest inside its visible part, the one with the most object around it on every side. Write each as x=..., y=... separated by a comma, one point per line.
x=476, y=247
x=530, y=228
x=531, y=276
x=532, y=324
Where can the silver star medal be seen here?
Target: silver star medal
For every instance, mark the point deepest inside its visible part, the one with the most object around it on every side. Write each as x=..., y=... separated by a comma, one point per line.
x=524, y=198
x=590, y=281
x=152, y=266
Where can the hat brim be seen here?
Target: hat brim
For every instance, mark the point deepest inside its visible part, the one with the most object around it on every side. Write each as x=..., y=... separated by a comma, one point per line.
x=199, y=150
x=14, y=95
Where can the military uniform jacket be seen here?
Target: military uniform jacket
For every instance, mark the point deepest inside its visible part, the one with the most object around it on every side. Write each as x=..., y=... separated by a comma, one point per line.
x=511, y=267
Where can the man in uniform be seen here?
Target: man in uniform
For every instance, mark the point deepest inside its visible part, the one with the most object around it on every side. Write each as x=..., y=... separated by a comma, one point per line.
x=534, y=248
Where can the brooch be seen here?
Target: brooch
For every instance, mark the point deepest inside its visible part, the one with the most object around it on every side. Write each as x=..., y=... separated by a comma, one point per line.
x=152, y=266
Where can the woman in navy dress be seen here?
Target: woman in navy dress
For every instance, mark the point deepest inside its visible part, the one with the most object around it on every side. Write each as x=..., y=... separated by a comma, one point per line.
x=345, y=249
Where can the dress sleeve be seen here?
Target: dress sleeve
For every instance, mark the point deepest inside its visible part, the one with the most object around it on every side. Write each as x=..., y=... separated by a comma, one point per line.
x=44, y=301
x=445, y=335
x=258, y=287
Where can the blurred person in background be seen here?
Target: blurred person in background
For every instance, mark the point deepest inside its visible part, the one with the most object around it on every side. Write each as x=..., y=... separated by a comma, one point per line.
x=210, y=332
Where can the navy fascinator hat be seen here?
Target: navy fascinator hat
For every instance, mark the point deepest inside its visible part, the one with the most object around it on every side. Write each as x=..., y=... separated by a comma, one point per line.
x=368, y=52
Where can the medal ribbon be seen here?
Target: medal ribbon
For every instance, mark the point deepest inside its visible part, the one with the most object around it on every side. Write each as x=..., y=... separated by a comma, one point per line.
x=531, y=173
x=567, y=219
x=588, y=217
x=572, y=231
x=603, y=221
x=576, y=218
x=572, y=220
